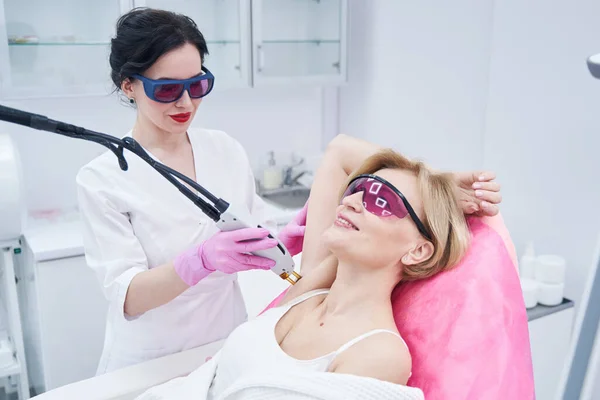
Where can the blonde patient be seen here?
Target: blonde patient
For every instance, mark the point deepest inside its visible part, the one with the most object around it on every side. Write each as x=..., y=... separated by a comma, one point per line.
x=393, y=220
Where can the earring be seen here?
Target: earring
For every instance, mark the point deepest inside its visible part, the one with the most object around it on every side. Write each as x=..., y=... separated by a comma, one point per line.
x=131, y=101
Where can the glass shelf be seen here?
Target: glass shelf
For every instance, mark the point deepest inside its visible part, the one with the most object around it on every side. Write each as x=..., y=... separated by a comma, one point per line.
x=310, y=41
x=223, y=42
x=210, y=42
x=58, y=44
x=280, y=58
x=12, y=44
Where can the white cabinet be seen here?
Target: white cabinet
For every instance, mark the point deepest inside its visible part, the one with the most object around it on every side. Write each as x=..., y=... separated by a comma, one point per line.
x=52, y=48
x=225, y=27
x=550, y=337
x=56, y=48
x=64, y=315
x=301, y=41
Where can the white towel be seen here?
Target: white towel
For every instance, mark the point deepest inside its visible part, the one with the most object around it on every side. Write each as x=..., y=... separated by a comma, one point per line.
x=195, y=386
x=306, y=385
x=318, y=386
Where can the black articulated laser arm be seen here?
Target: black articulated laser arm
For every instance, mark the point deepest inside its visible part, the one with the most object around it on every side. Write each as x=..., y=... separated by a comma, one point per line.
x=226, y=216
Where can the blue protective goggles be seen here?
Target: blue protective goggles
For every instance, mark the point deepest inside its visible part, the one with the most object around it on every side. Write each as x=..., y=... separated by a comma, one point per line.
x=170, y=90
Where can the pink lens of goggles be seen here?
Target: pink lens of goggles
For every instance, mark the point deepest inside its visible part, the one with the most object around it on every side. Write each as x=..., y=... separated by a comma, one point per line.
x=172, y=91
x=378, y=198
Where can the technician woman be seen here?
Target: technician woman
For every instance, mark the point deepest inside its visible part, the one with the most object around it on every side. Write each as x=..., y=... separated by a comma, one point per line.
x=168, y=273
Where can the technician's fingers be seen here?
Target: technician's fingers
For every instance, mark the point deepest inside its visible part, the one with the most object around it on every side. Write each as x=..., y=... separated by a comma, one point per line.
x=248, y=234
x=250, y=261
x=255, y=245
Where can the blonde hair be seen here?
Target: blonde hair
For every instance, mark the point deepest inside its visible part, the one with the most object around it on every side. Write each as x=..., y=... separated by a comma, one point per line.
x=443, y=217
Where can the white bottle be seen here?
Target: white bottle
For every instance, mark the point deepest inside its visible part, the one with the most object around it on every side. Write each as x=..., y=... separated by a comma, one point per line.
x=272, y=175
x=528, y=263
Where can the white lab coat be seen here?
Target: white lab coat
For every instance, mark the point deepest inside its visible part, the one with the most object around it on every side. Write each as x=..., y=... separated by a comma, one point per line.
x=135, y=220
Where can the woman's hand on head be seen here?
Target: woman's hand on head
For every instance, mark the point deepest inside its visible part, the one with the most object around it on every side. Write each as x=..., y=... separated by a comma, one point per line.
x=478, y=193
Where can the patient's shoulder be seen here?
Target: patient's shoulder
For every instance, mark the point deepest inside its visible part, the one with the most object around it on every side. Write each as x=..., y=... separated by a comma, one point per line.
x=382, y=356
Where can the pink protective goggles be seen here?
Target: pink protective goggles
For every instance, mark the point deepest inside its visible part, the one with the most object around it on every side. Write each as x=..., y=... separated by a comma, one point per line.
x=381, y=198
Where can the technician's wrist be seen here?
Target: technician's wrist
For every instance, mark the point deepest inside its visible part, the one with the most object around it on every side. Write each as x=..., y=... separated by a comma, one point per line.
x=190, y=267
x=205, y=263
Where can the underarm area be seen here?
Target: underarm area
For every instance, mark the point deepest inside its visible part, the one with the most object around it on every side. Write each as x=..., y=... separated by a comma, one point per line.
x=319, y=277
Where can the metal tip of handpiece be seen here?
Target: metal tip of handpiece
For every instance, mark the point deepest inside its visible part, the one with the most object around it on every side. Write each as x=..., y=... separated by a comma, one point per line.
x=293, y=278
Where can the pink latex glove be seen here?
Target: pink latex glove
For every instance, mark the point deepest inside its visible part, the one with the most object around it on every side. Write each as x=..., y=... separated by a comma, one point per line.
x=292, y=235
x=225, y=252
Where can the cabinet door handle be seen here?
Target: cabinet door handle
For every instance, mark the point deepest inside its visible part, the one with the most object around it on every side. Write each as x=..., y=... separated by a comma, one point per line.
x=261, y=57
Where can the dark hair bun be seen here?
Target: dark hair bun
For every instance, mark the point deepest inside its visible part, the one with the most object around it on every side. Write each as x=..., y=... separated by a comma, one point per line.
x=145, y=34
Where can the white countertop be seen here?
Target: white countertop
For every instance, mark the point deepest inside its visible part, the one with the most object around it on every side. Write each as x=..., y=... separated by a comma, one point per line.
x=59, y=236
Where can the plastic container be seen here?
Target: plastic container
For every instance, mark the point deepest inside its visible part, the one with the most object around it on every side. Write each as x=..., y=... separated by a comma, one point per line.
x=550, y=294
x=550, y=269
x=530, y=292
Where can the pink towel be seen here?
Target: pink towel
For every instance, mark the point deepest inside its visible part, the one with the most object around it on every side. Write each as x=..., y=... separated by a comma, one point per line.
x=467, y=328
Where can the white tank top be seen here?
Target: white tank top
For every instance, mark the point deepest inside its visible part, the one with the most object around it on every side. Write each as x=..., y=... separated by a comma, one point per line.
x=253, y=347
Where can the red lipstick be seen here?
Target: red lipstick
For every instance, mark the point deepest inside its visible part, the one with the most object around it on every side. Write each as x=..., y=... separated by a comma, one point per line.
x=181, y=118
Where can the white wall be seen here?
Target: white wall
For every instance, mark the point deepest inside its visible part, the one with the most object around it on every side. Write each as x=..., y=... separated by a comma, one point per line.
x=418, y=78
x=500, y=84
x=283, y=119
x=495, y=84
x=541, y=136
x=541, y=131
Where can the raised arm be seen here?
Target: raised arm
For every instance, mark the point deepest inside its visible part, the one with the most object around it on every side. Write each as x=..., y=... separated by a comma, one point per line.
x=344, y=154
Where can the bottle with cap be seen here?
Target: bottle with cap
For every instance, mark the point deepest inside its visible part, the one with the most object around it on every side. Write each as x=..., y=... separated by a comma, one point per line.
x=272, y=175
x=528, y=262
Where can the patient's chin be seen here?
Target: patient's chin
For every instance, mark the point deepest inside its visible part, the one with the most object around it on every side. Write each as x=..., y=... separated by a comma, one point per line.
x=334, y=239
x=338, y=242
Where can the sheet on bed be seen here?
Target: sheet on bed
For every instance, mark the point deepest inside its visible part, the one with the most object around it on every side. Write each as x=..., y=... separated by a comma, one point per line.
x=306, y=385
